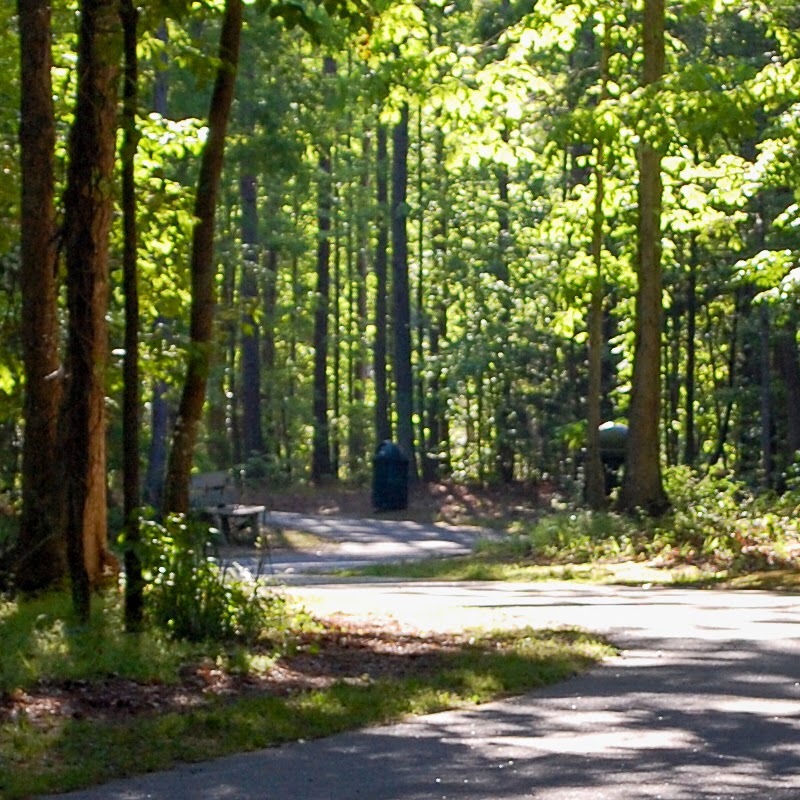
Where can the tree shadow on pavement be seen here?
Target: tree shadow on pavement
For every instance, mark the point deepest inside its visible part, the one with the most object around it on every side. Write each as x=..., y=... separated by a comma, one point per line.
x=701, y=720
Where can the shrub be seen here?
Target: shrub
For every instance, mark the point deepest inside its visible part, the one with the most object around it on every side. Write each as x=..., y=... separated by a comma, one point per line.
x=714, y=519
x=582, y=535
x=717, y=518
x=192, y=596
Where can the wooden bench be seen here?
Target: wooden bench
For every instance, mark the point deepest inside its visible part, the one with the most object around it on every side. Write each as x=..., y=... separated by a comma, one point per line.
x=216, y=495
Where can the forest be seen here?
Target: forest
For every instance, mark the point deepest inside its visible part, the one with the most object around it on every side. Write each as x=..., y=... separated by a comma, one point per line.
x=264, y=237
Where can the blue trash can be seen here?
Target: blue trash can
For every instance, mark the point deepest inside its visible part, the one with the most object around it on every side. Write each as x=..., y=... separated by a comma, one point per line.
x=389, y=478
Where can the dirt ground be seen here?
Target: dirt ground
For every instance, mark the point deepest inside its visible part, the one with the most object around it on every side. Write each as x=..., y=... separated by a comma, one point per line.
x=342, y=652
x=435, y=502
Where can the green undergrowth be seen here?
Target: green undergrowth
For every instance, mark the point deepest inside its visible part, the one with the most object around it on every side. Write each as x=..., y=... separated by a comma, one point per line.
x=42, y=645
x=717, y=533
x=495, y=567
x=63, y=753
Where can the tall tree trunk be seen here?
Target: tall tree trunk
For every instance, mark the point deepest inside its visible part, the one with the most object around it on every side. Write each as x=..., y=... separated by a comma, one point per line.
x=252, y=429
x=642, y=486
x=437, y=451
x=321, y=466
x=595, y=478
x=401, y=299
x=134, y=583
x=159, y=406
x=690, y=444
x=436, y=443
x=230, y=446
x=420, y=301
x=41, y=556
x=88, y=203
x=203, y=272
x=789, y=368
x=503, y=415
x=383, y=427
x=724, y=419
x=270, y=295
x=291, y=392
x=765, y=396
x=336, y=319
x=153, y=489
x=672, y=361
x=357, y=444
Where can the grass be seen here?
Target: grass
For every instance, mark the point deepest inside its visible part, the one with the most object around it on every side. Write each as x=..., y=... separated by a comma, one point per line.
x=632, y=571
x=41, y=644
x=718, y=533
x=781, y=580
x=64, y=753
x=493, y=568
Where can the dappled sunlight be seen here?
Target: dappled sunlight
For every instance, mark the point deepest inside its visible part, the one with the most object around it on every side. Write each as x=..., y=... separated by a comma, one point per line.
x=702, y=703
x=672, y=613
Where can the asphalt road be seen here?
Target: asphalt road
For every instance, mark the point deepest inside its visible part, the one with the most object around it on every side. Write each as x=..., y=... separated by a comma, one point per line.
x=352, y=543
x=702, y=704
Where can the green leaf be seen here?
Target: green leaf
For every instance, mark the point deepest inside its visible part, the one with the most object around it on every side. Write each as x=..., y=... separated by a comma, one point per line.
x=7, y=380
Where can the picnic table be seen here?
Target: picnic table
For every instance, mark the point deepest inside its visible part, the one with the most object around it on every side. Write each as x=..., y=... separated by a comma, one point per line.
x=217, y=495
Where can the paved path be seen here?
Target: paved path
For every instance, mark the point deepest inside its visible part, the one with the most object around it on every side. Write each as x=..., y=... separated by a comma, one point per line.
x=703, y=704
x=352, y=543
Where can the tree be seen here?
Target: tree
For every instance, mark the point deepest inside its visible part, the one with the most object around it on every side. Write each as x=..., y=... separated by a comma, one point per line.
x=401, y=299
x=642, y=485
x=383, y=427
x=131, y=402
x=153, y=488
x=359, y=316
x=203, y=272
x=786, y=353
x=321, y=463
x=88, y=206
x=595, y=478
x=41, y=556
x=252, y=431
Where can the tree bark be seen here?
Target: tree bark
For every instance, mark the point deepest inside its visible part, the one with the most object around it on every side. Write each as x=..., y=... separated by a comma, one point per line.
x=131, y=401
x=503, y=416
x=252, y=428
x=383, y=427
x=789, y=369
x=231, y=447
x=357, y=442
x=153, y=489
x=203, y=272
x=642, y=485
x=41, y=554
x=724, y=419
x=437, y=449
x=672, y=366
x=321, y=466
x=222, y=410
x=690, y=444
x=765, y=396
x=595, y=478
x=273, y=402
x=420, y=294
x=595, y=475
x=336, y=320
x=88, y=205
x=401, y=297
